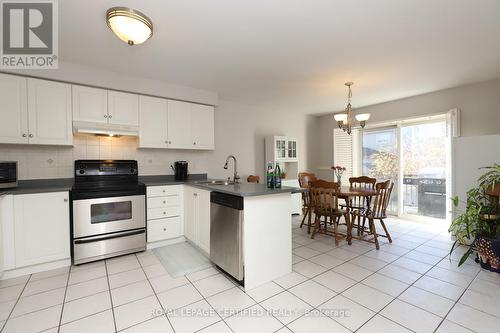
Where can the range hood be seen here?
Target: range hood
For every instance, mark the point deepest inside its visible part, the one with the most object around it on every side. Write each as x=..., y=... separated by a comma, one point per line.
x=104, y=129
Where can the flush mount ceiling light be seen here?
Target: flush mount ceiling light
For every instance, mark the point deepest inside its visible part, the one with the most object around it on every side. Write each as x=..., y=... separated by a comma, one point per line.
x=130, y=25
x=345, y=120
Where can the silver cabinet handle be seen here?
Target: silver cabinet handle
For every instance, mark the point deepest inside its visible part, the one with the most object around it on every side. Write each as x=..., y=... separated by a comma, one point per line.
x=164, y=202
x=24, y=135
x=31, y=135
x=163, y=191
x=65, y=200
x=105, y=116
x=166, y=142
x=164, y=229
x=194, y=143
x=195, y=194
x=164, y=213
x=110, y=116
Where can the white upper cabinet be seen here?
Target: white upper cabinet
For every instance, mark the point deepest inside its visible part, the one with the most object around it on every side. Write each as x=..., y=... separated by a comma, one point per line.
x=13, y=109
x=190, y=126
x=202, y=126
x=123, y=108
x=90, y=104
x=153, y=123
x=179, y=125
x=49, y=112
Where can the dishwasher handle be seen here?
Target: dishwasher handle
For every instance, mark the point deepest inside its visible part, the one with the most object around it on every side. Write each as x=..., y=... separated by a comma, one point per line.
x=227, y=200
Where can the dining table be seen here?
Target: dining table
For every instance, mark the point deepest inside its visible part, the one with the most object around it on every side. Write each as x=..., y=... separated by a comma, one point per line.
x=349, y=192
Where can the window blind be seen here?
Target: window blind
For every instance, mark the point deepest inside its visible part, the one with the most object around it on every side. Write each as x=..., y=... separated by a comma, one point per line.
x=342, y=151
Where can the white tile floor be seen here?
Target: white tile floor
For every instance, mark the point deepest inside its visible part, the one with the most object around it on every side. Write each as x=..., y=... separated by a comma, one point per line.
x=407, y=286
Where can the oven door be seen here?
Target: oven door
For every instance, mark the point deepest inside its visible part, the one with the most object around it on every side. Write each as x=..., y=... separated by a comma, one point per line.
x=105, y=215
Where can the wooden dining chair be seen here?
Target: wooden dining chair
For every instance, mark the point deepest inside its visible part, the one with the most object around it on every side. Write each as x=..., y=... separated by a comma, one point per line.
x=377, y=210
x=253, y=179
x=304, y=179
x=359, y=202
x=324, y=205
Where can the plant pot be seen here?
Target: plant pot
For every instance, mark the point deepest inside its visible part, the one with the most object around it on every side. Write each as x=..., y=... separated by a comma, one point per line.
x=488, y=253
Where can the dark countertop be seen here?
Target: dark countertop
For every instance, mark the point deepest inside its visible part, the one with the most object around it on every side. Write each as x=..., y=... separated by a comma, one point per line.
x=246, y=190
x=40, y=186
x=170, y=179
x=65, y=184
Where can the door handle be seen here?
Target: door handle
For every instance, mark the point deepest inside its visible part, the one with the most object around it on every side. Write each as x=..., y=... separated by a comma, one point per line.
x=24, y=135
x=31, y=135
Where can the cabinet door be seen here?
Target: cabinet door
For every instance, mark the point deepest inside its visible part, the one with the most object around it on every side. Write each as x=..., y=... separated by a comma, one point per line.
x=280, y=148
x=152, y=122
x=49, y=112
x=190, y=214
x=292, y=149
x=202, y=126
x=90, y=104
x=123, y=108
x=41, y=228
x=179, y=125
x=13, y=112
x=203, y=219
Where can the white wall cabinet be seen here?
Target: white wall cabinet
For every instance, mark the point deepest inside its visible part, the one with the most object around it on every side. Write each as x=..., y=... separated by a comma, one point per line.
x=14, y=109
x=90, y=104
x=35, y=111
x=105, y=106
x=41, y=227
x=123, y=108
x=197, y=217
x=190, y=126
x=49, y=113
x=202, y=126
x=179, y=125
x=153, y=122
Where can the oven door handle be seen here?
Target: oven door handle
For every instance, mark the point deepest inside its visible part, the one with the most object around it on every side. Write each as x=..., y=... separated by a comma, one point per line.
x=106, y=237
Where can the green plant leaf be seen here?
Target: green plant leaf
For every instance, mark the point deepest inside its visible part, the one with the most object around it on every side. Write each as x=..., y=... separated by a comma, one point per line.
x=465, y=256
x=455, y=201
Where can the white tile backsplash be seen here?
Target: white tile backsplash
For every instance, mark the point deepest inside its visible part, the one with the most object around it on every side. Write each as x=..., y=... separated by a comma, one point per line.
x=35, y=162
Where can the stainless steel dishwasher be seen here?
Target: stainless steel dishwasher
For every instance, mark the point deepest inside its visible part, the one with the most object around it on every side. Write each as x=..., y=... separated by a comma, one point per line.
x=226, y=233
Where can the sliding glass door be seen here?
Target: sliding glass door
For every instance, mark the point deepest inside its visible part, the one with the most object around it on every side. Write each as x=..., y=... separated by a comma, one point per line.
x=380, y=158
x=415, y=156
x=424, y=164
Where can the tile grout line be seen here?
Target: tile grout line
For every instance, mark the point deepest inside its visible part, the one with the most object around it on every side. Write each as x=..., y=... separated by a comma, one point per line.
x=110, y=296
x=456, y=302
x=155, y=294
x=15, y=304
x=64, y=302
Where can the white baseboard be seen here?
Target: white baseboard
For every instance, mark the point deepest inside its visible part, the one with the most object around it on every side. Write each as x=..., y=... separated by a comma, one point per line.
x=35, y=269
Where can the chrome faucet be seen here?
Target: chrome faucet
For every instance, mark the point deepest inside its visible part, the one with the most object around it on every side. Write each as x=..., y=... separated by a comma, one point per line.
x=236, y=178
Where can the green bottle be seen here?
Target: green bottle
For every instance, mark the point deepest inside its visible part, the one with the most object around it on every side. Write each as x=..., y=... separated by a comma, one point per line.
x=277, y=176
x=270, y=175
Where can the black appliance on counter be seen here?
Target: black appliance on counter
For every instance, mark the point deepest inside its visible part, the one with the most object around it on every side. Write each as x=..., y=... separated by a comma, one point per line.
x=181, y=170
x=108, y=206
x=8, y=174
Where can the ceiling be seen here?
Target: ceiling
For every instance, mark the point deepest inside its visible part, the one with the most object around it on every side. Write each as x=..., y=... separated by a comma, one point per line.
x=292, y=54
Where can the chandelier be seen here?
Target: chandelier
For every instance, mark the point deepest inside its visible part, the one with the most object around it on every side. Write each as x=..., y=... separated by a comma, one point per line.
x=345, y=120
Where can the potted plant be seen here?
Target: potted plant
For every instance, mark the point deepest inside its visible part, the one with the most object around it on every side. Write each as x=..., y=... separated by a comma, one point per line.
x=478, y=227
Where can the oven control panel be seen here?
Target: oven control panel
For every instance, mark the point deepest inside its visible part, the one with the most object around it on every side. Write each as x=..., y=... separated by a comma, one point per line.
x=105, y=168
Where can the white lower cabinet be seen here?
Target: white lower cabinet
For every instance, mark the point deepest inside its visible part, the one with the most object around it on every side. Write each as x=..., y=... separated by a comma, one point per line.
x=197, y=217
x=40, y=228
x=164, y=212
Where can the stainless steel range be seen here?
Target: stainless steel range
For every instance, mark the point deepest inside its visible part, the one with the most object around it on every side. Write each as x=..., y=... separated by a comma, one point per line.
x=108, y=210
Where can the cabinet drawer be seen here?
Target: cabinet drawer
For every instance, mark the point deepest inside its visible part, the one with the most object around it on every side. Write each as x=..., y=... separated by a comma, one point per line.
x=164, y=229
x=160, y=191
x=159, y=213
x=160, y=202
